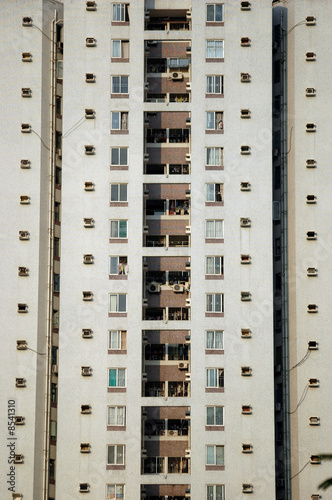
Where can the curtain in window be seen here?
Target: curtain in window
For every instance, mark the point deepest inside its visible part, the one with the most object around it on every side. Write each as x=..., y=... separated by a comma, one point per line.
x=219, y=455
x=112, y=377
x=209, y=85
x=116, y=48
x=124, y=121
x=121, y=377
x=209, y=232
x=209, y=493
x=210, y=120
x=123, y=192
x=209, y=340
x=211, y=377
x=209, y=303
x=209, y=265
x=218, y=13
x=210, y=49
x=114, y=265
x=125, y=49
x=114, y=192
x=219, y=229
x=217, y=83
x=210, y=13
x=120, y=415
x=217, y=265
x=217, y=156
x=119, y=454
x=122, y=229
x=111, y=455
x=124, y=84
x=218, y=340
x=209, y=192
x=114, y=339
x=111, y=415
x=218, y=125
x=217, y=302
x=210, y=416
x=218, y=48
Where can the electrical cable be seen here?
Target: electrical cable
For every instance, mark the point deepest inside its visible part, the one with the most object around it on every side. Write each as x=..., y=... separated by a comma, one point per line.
x=302, y=398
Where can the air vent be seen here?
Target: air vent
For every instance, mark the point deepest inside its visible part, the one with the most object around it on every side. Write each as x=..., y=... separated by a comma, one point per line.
x=85, y=409
x=188, y=193
x=26, y=57
x=23, y=271
x=88, y=258
x=25, y=128
x=310, y=56
x=22, y=308
x=21, y=345
x=27, y=21
x=90, y=78
x=86, y=333
x=245, y=296
x=26, y=92
x=86, y=371
x=91, y=5
x=315, y=459
x=25, y=164
x=315, y=497
x=87, y=295
x=245, y=259
x=245, y=5
x=90, y=114
x=18, y=458
x=89, y=186
x=188, y=157
x=90, y=42
x=17, y=496
x=188, y=86
x=245, y=150
x=310, y=92
x=311, y=199
x=310, y=21
x=245, y=77
x=188, y=229
x=23, y=235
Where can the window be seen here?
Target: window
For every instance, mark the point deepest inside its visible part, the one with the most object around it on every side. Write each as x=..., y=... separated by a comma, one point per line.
x=120, y=12
x=214, y=120
x=119, y=229
x=215, y=84
x=214, y=339
x=214, y=13
x=214, y=265
x=214, y=455
x=119, y=156
x=215, y=492
x=54, y=393
x=215, y=378
x=214, y=49
x=115, y=454
x=214, y=193
x=119, y=120
x=116, y=415
x=214, y=156
x=215, y=302
x=118, y=265
x=53, y=430
x=52, y=469
x=56, y=283
x=118, y=302
x=117, y=339
x=117, y=377
x=118, y=192
x=115, y=491
x=214, y=229
x=214, y=415
x=119, y=84
x=120, y=49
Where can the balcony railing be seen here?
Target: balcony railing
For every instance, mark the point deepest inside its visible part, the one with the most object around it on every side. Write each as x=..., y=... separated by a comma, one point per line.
x=166, y=314
x=165, y=465
x=174, y=389
x=167, y=169
x=167, y=240
x=166, y=428
x=166, y=97
x=169, y=25
x=162, y=352
x=164, y=136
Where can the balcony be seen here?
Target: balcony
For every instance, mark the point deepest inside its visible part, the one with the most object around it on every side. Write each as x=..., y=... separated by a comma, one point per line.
x=165, y=491
x=166, y=429
x=165, y=465
x=167, y=169
x=167, y=136
x=166, y=352
x=168, y=20
x=171, y=389
x=166, y=314
x=170, y=208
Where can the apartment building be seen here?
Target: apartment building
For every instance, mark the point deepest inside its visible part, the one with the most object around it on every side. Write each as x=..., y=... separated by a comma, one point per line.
x=30, y=236
x=302, y=104
x=166, y=311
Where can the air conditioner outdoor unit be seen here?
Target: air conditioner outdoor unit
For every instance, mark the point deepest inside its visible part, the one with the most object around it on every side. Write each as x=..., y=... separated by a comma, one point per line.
x=188, y=229
x=25, y=164
x=86, y=371
x=21, y=345
x=85, y=487
x=55, y=369
x=86, y=333
x=172, y=433
x=18, y=420
x=88, y=258
x=26, y=21
x=177, y=76
x=245, y=77
x=152, y=43
x=154, y=287
x=188, y=86
x=183, y=366
x=245, y=222
x=20, y=382
x=187, y=454
x=310, y=91
x=18, y=458
x=178, y=288
x=312, y=345
x=26, y=92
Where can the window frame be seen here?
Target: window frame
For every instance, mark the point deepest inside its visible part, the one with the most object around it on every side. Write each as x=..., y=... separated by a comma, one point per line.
x=217, y=377
x=120, y=120
x=213, y=82
x=120, y=341
x=116, y=446
x=116, y=493
x=221, y=265
x=214, y=424
x=214, y=21
x=118, y=237
x=119, y=149
x=118, y=264
x=122, y=11
x=121, y=42
x=211, y=162
x=117, y=380
x=118, y=305
x=214, y=492
x=121, y=77
x=120, y=187
x=214, y=192
x=215, y=235
x=216, y=126
x=214, y=340
x=124, y=416
x=215, y=454
x=211, y=52
x=213, y=303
